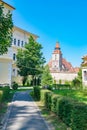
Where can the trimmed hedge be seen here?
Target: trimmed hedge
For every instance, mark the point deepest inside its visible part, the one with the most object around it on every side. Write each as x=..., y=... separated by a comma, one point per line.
x=6, y=91
x=65, y=110
x=73, y=113
x=1, y=95
x=79, y=117
x=37, y=93
x=55, y=103
x=48, y=100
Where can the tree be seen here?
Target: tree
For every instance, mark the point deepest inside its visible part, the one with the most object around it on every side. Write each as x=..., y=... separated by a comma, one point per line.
x=30, y=60
x=6, y=26
x=77, y=82
x=46, y=79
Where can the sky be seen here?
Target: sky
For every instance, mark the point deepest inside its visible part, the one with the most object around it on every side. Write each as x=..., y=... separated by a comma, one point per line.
x=64, y=21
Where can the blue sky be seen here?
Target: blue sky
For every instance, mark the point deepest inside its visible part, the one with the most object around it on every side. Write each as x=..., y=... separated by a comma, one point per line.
x=55, y=20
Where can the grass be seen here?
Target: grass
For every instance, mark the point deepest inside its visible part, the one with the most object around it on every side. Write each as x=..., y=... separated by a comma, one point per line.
x=79, y=95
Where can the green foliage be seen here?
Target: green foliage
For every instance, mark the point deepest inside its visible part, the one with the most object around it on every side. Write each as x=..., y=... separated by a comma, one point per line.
x=61, y=86
x=55, y=103
x=30, y=60
x=79, y=117
x=1, y=95
x=60, y=81
x=6, y=91
x=72, y=112
x=6, y=26
x=48, y=100
x=24, y=79
x=37, y=93
x=77, y=82
x=46, y=79
x=43, y=91
x=14, y=86
x=65, y=110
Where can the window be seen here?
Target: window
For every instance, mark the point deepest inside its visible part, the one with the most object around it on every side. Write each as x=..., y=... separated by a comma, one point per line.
x=13, y=72
x=14, y=41
x=85, y=75
x=18, y=42
x=14, y=56
x=22, y=43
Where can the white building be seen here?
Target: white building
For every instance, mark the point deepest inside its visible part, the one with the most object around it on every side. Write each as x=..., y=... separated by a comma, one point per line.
x=8, y=69
x=84, y=71
x=60, y=68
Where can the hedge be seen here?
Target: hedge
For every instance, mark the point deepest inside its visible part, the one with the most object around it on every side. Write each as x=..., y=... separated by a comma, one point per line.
x=55, y=103
x=6, y=91
x=73, y=113
x=1, y=95
x=79, y=117
x=65, y=110
x=48, y=100
x=37, y=93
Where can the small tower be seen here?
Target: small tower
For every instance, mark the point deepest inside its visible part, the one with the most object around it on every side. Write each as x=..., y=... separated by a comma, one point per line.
x=57, y=58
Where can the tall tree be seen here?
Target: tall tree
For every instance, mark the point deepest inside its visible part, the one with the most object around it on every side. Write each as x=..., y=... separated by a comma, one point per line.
x=30, y=61
x=6, y=26
x=46, y=79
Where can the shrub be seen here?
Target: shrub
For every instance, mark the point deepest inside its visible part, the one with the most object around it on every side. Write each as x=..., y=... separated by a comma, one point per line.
x=6, y=91
x=48, y=100
x=79, y=117
x=37, y=93
x=43, y=91
x=1, y=95
x=55, y=103
x=14, y=86
x=65, y=110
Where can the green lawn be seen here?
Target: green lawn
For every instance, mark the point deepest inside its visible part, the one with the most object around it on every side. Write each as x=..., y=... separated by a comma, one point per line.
x=76, y=94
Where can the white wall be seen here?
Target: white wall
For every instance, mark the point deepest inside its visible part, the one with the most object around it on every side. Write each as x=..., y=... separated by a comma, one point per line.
x=5, y=72
x=63, y=76
x=84, y=76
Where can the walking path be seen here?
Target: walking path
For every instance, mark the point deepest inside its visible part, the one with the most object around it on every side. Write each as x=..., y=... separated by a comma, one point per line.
x=24, y=114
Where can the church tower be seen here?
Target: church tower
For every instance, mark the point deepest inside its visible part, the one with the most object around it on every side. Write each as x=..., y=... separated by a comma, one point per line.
x=57, y=58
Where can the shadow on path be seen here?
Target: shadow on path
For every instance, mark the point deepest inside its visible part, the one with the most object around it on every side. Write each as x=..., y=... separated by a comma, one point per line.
x=24, y=114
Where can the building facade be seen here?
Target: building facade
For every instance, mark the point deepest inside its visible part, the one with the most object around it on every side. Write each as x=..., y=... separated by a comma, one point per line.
x=8, y=68
x=60, y=68
x=84, y=71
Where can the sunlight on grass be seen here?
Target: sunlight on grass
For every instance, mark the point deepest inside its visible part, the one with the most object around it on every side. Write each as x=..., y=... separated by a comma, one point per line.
x=75, y=94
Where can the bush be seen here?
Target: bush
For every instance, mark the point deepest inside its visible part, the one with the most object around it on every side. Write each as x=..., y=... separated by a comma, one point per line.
x=79, y=117
x=1, y=95
x=55, y=103
x=14, y=86
x=37, y=93
x=43, y=91
x=6, y=91
x=65, y=110
x=48, y=100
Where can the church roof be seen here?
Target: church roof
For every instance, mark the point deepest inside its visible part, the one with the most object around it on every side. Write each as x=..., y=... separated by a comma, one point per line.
x=57, y=49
